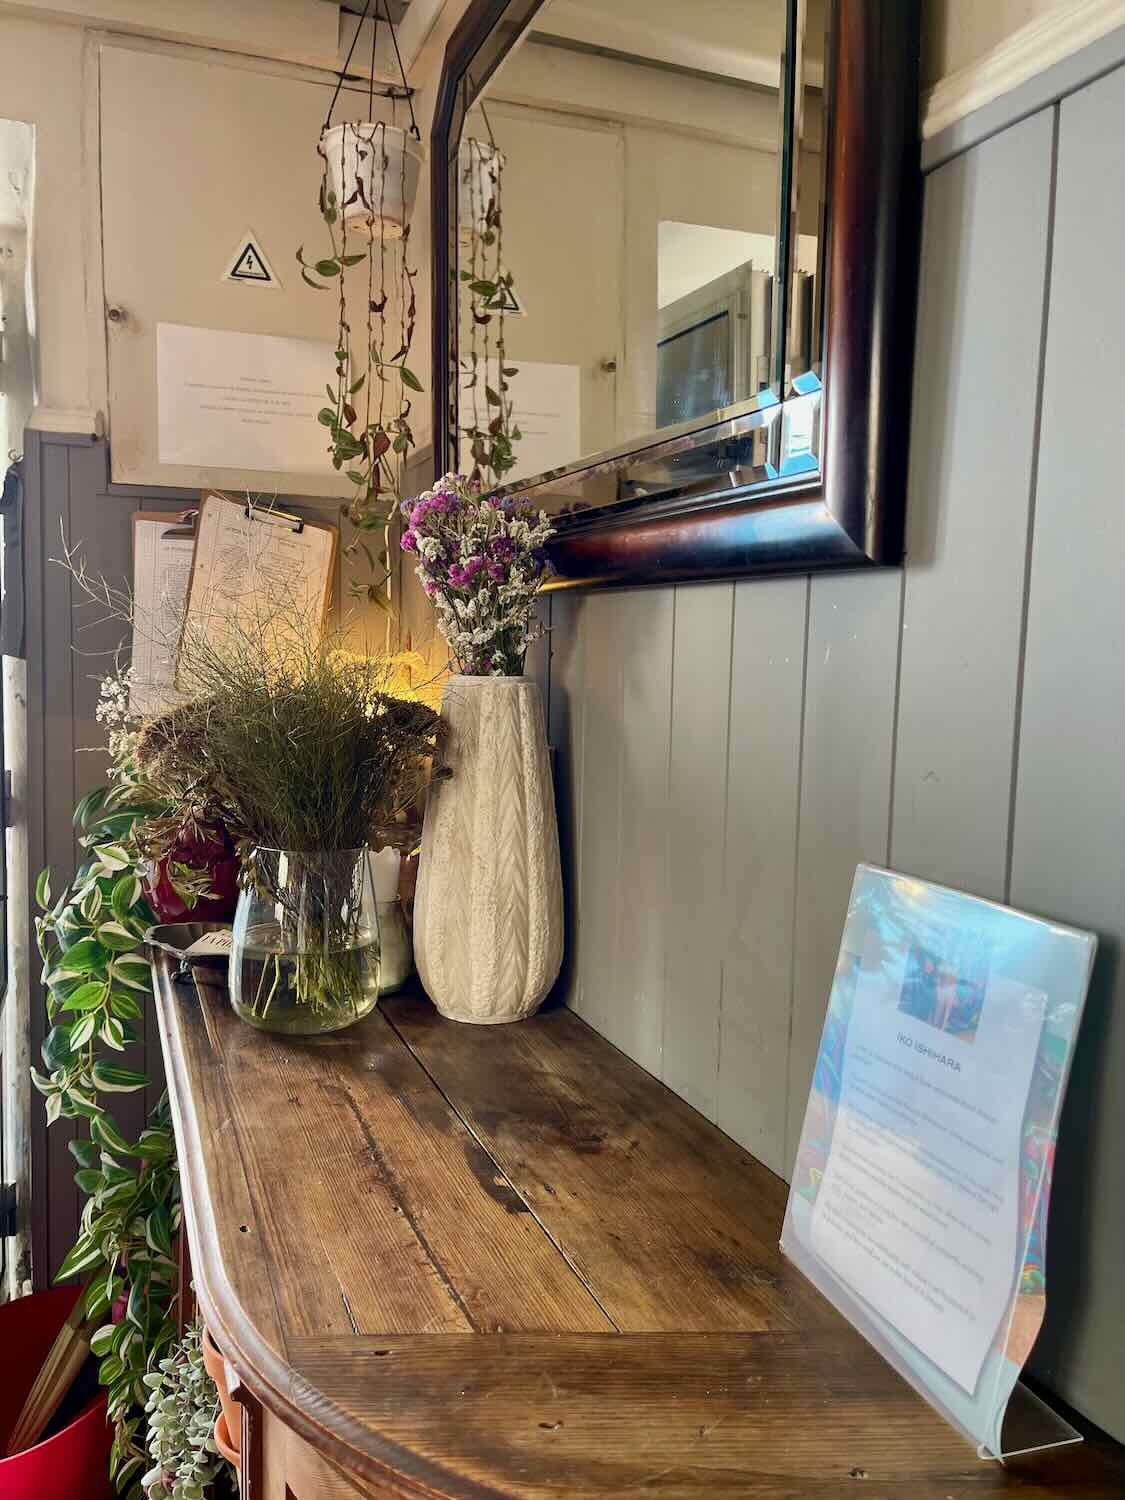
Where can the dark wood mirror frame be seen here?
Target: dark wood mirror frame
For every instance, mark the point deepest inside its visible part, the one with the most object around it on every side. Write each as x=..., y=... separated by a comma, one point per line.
x=849, y=512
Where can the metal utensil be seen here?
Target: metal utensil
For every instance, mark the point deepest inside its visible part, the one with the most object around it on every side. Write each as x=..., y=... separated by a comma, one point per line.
x=178, y=939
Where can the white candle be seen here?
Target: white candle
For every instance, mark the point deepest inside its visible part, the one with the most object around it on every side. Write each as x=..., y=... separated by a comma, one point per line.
x=385, y=866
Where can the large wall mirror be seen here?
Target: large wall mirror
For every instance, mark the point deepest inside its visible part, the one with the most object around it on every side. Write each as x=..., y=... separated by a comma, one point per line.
x=675, y=261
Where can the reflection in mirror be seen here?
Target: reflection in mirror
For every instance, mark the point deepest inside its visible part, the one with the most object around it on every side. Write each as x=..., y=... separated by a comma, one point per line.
x=625, y=211
x=806, y=204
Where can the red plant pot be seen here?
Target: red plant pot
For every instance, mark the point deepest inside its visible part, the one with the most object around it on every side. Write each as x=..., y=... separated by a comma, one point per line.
x=209, y=850
x=74, y=1461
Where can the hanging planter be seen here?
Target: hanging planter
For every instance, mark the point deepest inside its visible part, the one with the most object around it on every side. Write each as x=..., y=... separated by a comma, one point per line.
x=488, y=429
x=372, y=169
x=368, y=186
x=480, y=165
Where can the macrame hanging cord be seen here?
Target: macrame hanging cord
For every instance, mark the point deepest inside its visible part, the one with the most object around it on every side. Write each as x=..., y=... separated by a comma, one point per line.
x=394, y=92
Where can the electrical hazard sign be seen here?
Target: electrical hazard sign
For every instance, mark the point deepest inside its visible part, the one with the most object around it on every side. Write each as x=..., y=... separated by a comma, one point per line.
x=248, y=266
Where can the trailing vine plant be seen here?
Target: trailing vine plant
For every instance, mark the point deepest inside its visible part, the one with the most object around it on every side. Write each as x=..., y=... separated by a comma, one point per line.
x=490, y=430
x=369, y=410
x=95, y=974
x=182, y=1409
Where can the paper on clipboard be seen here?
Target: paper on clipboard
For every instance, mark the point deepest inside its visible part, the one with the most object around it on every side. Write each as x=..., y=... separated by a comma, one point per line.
x=260, y=572
x=162, y=552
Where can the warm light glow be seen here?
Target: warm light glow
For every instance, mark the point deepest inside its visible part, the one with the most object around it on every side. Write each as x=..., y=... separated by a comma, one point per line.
x=409, y=675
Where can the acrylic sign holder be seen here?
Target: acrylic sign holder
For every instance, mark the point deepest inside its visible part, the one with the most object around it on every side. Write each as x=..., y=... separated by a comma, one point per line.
x=919, y=1198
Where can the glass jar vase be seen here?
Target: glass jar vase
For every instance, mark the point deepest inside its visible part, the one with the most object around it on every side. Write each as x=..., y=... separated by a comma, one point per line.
x=305, y=949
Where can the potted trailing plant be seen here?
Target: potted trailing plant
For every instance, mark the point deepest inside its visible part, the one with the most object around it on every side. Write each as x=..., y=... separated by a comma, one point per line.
x=92, y=943
x=488, y=911
x=97, y=977
x=183, y=1411
x=490, y=430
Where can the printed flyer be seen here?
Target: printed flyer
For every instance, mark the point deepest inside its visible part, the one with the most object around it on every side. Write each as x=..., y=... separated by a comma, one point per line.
x=920, y=1193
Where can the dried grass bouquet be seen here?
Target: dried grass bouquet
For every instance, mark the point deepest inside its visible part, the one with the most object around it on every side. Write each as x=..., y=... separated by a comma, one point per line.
x=303, y=749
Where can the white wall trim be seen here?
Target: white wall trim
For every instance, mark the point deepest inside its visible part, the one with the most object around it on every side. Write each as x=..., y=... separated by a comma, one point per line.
x=1068, y=27
x=73, y=421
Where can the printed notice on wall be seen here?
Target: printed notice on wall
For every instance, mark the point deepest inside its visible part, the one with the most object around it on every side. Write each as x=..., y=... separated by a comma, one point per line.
x=920, y=1194
x=241, y=400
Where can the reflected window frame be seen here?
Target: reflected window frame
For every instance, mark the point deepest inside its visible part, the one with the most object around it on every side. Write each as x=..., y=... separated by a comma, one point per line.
x=810, y=473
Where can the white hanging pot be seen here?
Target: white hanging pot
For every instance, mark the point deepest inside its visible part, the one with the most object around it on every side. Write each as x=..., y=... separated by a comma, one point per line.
x=373, y=169
x=479, y=164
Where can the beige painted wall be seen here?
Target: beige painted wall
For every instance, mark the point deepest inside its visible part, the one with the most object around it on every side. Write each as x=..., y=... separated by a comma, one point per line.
x=194, y=153
x=958, y=33
x=49, y=74
x=305, y=31
x=41, y=83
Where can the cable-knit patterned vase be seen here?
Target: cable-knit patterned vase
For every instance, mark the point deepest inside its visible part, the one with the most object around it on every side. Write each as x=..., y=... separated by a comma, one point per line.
x=488, y=915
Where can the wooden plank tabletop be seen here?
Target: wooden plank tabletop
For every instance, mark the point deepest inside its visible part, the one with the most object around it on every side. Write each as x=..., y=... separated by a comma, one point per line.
x=507, y=1262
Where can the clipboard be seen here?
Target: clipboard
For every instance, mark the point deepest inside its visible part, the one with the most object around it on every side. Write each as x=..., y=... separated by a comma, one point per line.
x=250, y=562
x=163, y=546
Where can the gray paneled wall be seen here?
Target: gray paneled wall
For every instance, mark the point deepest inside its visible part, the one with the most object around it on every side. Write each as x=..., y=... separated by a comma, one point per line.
x=729, y=752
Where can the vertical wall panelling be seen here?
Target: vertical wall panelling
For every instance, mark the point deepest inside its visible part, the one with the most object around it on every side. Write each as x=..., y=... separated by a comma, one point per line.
x=537, y=663
x=600, y=813
x=962, y=719
x=564, y=734
x=978, y=359
x=37, y=794
x=697, y=784
x=1069, y=825
x=850, y=672
x=767, y=675
x=58, y=846
x=635, y=1014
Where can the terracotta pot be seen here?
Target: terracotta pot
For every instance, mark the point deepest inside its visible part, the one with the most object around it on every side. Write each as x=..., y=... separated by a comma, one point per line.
x=488, y=915
x=223, y=1441
x=231, y=1418
x=210, y=850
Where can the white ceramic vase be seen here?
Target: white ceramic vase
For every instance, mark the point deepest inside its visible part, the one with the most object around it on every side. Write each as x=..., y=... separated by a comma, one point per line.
x=488, y=915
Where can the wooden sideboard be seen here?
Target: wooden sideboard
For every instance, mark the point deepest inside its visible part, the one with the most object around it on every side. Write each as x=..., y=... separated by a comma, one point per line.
x=484, y=1262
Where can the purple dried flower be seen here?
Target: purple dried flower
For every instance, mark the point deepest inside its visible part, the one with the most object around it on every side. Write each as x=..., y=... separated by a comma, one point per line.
x=461, y=574
x=497, y=571
x=409, y=542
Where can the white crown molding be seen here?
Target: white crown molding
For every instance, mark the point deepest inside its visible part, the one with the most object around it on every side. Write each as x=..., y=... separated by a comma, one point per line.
x=75, y=421
x=1069, y=26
